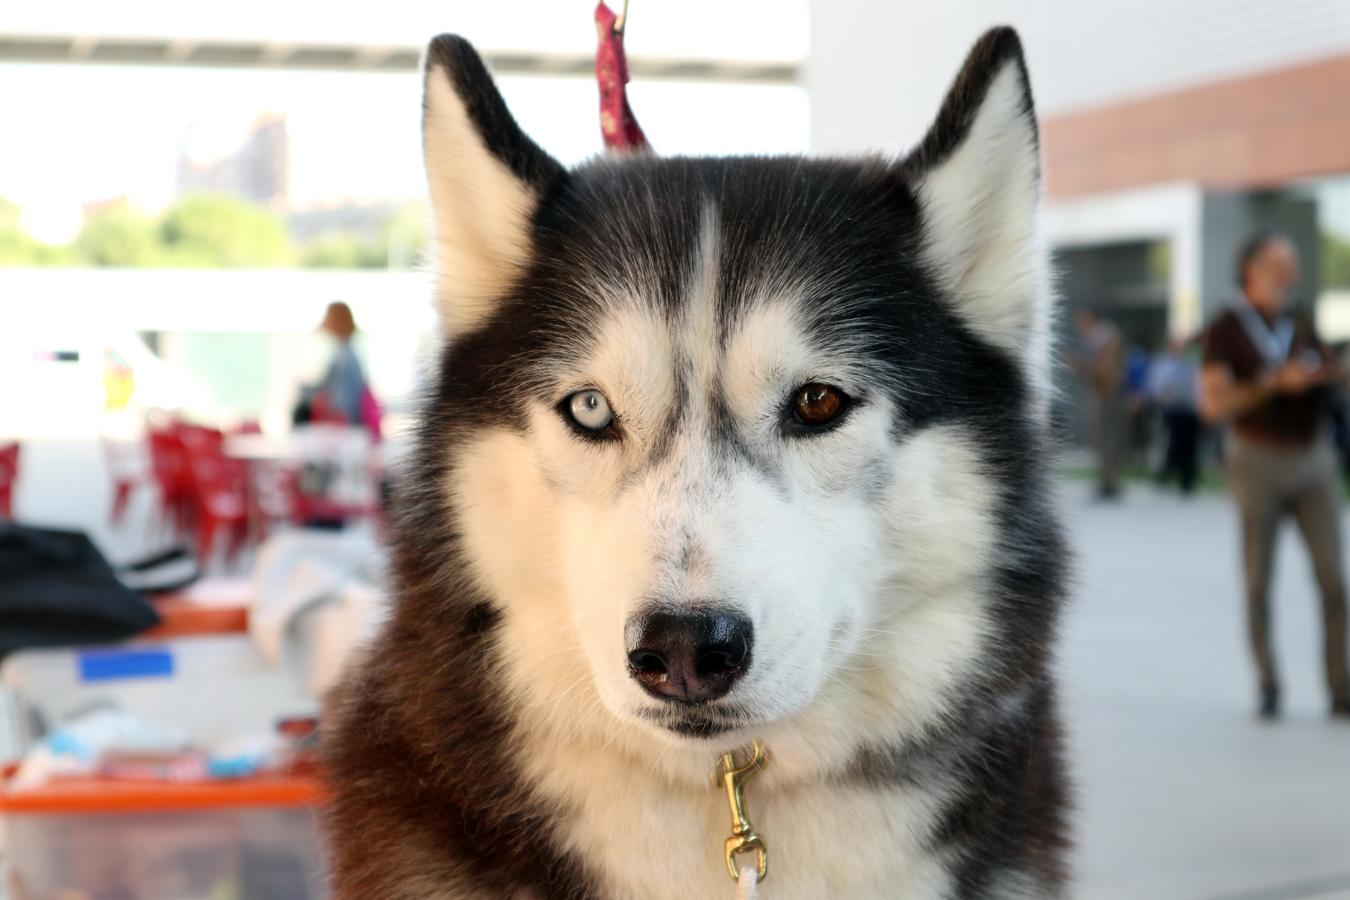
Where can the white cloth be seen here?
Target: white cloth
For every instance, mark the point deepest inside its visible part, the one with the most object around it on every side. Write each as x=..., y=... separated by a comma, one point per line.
x=315, y=597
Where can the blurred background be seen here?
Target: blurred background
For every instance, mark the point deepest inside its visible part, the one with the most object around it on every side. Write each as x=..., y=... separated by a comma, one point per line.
x=186, y=192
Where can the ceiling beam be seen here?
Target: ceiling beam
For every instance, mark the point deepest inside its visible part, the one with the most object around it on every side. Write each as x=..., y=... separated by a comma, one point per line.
x=86, y=49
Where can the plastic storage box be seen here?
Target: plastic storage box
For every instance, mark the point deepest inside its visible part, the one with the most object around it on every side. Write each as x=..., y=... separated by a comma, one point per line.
x=213, y=688
x=254, y=839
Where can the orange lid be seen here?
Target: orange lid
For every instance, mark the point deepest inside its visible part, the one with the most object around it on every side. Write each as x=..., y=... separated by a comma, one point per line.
x=80, y=796
x=211, y=606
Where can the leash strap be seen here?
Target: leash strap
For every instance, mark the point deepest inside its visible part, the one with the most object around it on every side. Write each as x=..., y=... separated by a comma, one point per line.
x=618, y=125
x=1272, y=344
x=747, y=886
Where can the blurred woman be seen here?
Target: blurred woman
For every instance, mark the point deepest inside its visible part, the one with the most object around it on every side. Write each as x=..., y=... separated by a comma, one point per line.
x=342, y=396
x=344, y=382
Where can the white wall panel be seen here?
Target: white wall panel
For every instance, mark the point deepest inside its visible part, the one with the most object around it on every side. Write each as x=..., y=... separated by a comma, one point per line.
x=877, y=70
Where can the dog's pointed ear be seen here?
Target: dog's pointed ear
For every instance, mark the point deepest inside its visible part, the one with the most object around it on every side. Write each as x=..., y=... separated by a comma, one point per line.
x=977, y=177
x=486, y=178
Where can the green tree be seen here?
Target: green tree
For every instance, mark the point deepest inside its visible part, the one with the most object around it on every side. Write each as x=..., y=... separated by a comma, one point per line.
x=118, y=236
x=18, y=248
x=407, y=235
x=215, y=230
x=1335, y=261
x=342, y=251
x=401, y=242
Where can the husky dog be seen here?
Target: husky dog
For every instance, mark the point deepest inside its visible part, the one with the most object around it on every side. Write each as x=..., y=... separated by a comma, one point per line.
x=720, y=451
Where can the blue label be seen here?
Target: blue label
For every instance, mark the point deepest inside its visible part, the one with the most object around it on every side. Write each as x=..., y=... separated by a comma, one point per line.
x=106, y=665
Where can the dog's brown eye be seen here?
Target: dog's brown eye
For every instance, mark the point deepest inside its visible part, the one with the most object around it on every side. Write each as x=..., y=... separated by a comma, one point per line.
x=818, y=404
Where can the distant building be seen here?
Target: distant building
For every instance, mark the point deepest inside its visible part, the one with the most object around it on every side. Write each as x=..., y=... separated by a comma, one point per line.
x=257, y=170
x=92, y=209
x=366, y=221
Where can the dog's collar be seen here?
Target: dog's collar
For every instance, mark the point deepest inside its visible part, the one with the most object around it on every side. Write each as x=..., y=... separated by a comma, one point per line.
x=744, y=839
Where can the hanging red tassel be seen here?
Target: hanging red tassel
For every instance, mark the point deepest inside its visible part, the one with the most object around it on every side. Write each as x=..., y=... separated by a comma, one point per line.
x=617, y=123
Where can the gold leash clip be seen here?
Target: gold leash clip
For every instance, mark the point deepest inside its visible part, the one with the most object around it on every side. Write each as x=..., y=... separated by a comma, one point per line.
x=743, y=837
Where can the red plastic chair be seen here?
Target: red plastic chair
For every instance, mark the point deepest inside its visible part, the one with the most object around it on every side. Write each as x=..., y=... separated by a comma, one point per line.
x=220, y=501
x=169, y=469
x=126, y=474
x=9, y=473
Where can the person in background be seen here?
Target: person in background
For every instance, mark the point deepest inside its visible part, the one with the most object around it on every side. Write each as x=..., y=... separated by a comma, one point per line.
x=1138, y=406
x=344, y=384
x=1099, y=363
x=1340, y=414
x=1266, y=373
x=1172, y=383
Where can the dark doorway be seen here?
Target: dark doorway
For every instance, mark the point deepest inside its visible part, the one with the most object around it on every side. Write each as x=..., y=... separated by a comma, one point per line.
x=1124, y=283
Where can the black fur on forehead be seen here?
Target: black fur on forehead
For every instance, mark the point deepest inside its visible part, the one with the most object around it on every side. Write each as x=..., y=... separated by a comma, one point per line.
x=834, y=231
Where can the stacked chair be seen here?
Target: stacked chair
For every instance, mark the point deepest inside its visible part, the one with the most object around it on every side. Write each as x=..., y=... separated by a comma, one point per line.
x=203, y=494
x=9, y=474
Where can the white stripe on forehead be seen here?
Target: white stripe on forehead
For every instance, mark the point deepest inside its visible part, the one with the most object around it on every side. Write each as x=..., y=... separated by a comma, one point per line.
x=700, y=323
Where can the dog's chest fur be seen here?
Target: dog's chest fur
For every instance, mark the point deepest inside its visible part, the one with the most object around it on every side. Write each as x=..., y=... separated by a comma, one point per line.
x=643, y=838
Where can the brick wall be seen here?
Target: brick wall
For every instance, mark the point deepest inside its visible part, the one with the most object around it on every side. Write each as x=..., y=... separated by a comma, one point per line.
x=1250, y=132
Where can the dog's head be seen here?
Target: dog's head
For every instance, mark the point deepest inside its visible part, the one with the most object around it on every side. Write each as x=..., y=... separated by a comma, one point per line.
x=728, y=440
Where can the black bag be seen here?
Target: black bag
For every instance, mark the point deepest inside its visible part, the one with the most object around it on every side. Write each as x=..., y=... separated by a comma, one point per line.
x=56, y=589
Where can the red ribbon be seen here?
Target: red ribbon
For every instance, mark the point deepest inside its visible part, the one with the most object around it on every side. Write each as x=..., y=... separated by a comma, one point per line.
x=617, y=123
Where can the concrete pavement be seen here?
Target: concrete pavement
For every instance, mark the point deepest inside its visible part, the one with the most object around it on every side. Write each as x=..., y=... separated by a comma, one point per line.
x=1182, y=795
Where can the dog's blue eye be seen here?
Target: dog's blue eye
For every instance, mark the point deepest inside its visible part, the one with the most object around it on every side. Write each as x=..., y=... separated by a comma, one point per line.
x=590, y=410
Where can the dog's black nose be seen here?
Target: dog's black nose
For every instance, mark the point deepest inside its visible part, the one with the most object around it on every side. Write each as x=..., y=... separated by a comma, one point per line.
x=689, y=657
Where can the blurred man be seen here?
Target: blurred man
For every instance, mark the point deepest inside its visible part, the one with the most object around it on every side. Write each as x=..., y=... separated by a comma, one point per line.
x=1265, y=372
x=1099, y=364
x=1172, y=378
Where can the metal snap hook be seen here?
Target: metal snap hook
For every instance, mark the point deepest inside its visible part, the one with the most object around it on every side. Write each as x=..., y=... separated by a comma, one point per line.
x=743, y=837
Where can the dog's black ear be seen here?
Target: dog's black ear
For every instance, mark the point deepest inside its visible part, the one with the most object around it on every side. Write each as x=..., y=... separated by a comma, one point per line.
x=486, y=178
x=977, y=176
